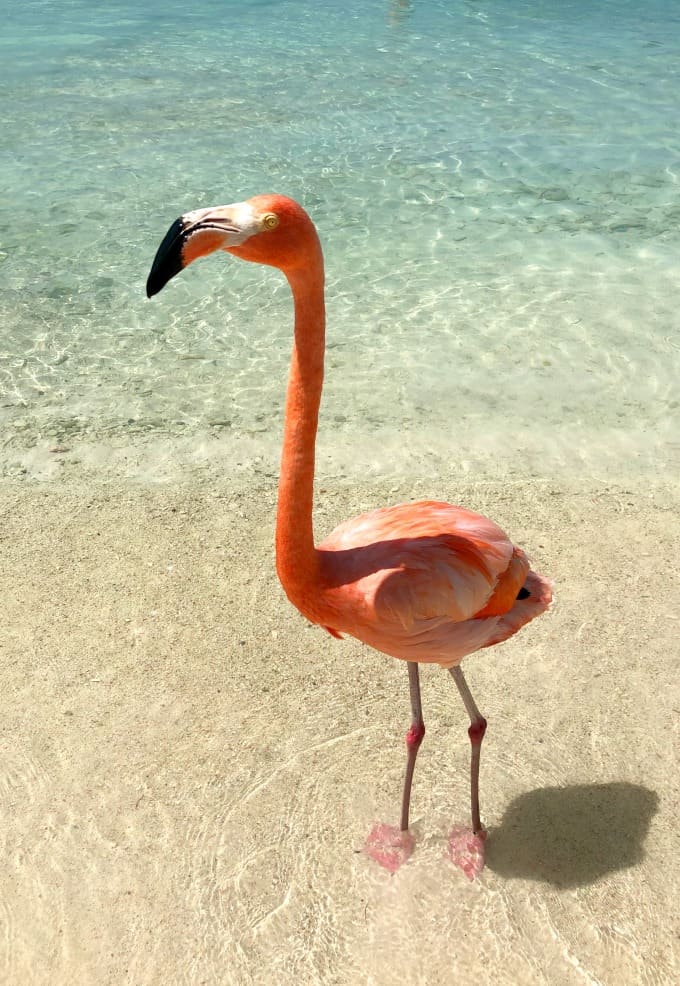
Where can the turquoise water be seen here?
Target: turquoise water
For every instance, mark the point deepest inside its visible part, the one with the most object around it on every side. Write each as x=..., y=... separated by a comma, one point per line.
x=496, y=186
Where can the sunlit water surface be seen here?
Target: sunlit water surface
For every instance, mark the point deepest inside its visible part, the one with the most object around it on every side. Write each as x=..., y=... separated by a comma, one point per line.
x=496, y=187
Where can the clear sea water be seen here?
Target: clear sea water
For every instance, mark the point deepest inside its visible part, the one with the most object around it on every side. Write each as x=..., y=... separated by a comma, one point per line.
x=496, y=184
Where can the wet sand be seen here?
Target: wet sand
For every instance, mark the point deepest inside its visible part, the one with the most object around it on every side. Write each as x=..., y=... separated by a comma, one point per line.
x=189, y=770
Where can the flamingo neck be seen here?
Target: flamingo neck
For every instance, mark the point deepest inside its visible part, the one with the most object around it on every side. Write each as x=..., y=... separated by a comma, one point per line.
x=296, y=557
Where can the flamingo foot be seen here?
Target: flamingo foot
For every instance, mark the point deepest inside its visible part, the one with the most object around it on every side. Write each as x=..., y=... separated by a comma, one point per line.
x=466, y=851
x=389, y=846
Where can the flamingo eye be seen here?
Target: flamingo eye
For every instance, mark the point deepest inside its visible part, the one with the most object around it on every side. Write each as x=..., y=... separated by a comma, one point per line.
x=270, y=220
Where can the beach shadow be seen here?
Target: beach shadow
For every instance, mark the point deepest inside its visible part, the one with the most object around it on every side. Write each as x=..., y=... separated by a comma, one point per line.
x=572, y=836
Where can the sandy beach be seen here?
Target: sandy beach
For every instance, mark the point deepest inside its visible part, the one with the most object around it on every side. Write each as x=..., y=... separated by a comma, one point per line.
x=189, y=770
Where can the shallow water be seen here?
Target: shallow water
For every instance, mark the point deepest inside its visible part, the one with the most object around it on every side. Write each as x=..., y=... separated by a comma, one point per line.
x=496, y=190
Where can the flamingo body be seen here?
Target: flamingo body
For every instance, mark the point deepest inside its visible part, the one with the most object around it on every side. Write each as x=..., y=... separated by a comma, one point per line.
x=425, y=582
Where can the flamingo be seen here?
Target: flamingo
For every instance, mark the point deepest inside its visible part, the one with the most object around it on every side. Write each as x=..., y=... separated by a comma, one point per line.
x=425, y=582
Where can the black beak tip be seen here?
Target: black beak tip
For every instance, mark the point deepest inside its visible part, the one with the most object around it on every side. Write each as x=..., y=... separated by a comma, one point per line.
x=168, y=260
x=157, y=280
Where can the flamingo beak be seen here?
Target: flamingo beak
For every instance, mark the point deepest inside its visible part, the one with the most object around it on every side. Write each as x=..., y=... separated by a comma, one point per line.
x=193, y=235
x=168, y=260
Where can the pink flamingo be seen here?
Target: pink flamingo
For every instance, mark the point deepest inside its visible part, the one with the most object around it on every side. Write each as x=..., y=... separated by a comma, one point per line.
x=426, y=582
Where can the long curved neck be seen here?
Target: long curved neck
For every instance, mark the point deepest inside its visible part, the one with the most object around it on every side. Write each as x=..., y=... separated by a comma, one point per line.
x=296, y=558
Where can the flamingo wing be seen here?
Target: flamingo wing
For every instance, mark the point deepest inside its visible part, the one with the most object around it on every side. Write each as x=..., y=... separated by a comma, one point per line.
x=426, y=582
x=424, y=561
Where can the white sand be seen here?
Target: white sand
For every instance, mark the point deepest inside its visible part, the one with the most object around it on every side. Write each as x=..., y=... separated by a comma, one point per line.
x=188, y=769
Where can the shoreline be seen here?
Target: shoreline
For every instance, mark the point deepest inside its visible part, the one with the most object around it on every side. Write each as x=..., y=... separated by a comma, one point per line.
x=386, y=456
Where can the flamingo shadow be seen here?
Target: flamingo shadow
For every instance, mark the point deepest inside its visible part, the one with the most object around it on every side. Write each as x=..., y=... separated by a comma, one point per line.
x=572, y=836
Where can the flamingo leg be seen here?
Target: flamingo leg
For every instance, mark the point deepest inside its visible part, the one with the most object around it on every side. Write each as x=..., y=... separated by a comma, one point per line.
x=476, y=734
x=414, y=738
x=386, y=844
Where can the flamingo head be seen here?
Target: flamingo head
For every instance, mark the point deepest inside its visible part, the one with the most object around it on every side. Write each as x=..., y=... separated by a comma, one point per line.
x=267, y=229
